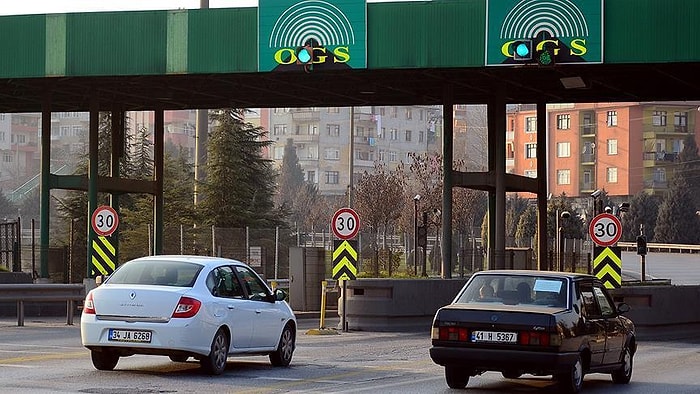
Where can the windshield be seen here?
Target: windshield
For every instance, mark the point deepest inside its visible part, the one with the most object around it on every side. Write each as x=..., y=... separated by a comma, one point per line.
x=515, y=289
x=161, y=272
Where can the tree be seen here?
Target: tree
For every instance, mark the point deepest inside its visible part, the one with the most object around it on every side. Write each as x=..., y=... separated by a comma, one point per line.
x=572, y=227
x=677, y=222
x=291, y=184
x=515, y=206
x=689, y=168
x=527, y=228
x=240, y=183
x=644, y=210
x=8, y=210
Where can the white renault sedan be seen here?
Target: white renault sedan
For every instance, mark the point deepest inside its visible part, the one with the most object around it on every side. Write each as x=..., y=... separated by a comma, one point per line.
x=187, y=306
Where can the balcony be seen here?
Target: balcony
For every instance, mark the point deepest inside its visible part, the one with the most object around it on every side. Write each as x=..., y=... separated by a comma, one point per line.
x=305, y=138
x=588, y=130
x=667, y=130
x=366, y=118
x=305, y=114
x=588, y=158
x=510, y=135
x=655, y=184
x=655, y=158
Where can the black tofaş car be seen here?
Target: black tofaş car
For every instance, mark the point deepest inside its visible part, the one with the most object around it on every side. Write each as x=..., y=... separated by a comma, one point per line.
x=535, y=322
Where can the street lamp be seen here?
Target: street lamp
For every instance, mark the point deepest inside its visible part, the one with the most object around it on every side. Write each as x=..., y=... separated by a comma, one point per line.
x=563, y=215
x=415, y=233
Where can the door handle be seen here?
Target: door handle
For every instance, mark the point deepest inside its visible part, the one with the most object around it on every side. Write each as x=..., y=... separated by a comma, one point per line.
x=231, y=307
x=258, y=311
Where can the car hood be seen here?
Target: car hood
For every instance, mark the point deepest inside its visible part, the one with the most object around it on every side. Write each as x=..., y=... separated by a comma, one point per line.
x=135, y=301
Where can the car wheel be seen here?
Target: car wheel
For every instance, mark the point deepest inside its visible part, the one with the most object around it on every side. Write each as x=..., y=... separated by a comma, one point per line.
x=456, y=377
x=179, y=358
x=624, y=373
x=572, y=381
x=104, y=360
x=511, y=374
x=285, y=348
x=215, y=362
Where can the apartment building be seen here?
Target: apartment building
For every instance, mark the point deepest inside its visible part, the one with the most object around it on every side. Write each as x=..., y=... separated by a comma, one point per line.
x=620, y=147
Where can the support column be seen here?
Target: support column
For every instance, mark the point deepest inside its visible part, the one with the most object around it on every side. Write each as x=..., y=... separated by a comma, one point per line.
x=447, y=158
x=92, y=180
x=497, y=166
x=45, y=187
x=118, y=124
x=542, y=180
x=158, y=175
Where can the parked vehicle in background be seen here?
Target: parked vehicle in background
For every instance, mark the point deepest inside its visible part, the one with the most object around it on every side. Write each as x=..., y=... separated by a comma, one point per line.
x=187, y=306
x=535, y=322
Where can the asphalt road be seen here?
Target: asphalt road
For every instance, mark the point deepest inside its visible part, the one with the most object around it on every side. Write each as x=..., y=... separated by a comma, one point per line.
x=46, y=356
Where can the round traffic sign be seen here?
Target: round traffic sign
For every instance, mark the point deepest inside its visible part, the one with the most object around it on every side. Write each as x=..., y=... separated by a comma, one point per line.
x=605, y=229
x=345, y=223
x=104, y=220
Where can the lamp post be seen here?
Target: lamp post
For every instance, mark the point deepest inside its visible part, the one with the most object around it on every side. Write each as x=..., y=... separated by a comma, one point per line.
x=563, y=215
x=415, y=233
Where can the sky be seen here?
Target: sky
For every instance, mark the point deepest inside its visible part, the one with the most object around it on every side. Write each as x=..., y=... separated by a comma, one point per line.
x=25, y=7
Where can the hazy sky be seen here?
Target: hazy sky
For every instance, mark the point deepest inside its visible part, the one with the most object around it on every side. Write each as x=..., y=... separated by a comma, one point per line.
x=22, y=7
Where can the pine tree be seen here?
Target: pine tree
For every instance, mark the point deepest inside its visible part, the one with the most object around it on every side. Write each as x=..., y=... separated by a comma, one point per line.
x=240, y=183
x=677, y=222
x=291, y=184
x=689, y=168
x=644, y=209
x=527, y=227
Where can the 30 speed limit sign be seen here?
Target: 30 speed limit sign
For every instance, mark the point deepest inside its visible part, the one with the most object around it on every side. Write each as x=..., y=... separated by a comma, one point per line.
x=345, y=223
x=104, y=220
x=605, y=229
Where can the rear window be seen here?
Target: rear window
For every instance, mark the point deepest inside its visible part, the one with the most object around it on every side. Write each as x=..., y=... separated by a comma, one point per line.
x=162, y=273
x=515, y=289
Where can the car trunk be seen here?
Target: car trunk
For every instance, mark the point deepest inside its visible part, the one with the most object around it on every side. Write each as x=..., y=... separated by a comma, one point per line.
x=155, y=303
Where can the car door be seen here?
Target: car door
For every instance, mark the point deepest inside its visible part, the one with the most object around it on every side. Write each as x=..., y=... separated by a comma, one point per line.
x=593, y=327
x=614, y=333
x=230, y=305
x=268, y=316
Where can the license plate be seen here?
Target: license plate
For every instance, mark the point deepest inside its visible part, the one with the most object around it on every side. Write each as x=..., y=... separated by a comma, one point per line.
x=129, y=336
x=494, y=336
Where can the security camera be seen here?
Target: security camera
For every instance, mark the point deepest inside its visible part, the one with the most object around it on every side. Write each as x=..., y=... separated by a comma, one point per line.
x=417, y=197
x=608, y=210
x=597, y=193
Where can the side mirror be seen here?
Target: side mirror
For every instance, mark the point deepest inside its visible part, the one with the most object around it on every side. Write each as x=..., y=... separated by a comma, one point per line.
x=623, y=308
x=280, y=295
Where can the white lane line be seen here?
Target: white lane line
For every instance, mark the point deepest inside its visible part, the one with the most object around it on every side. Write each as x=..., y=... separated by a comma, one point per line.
x=40, y=346
x=379, y=387
x=16, y=366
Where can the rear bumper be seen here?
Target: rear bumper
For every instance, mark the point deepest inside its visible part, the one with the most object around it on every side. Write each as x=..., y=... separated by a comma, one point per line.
x=504, y=360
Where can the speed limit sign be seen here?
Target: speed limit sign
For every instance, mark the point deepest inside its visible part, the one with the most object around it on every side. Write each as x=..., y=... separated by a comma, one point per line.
x=345, y=223
x=605, y=229
x=104, y=220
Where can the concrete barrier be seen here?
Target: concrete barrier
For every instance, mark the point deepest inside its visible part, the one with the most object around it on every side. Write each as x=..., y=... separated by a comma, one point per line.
x=410, y=304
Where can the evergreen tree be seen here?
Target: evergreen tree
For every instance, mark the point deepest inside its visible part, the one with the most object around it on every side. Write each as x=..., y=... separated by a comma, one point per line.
x=644, y=209
x=527, y=227
x=240, y=183
x=515, y=206
x=291, y=185
x=572, y=227
x=689, y=168
x=8, y=210
x=677, y=222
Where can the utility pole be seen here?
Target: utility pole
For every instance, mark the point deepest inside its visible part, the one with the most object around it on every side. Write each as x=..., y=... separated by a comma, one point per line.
x=201, y=140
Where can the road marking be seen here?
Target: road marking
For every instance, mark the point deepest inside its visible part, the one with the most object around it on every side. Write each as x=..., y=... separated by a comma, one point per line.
x=43, y=357
x=17, y=366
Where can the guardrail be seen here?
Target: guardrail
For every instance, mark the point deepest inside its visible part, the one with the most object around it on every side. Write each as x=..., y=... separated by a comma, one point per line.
x=21, y=293
x=656, y=247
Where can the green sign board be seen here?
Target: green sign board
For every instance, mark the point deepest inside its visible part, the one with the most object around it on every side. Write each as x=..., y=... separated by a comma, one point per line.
x=312, y=35
x=570, y=31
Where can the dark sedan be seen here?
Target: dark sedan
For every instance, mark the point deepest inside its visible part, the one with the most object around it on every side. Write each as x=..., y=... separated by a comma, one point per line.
x=535, y=322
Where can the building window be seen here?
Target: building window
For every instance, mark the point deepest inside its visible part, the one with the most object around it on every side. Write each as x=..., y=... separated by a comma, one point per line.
x=7, y=158
x=680, y=121
x=531, y=173
x=382, y=155
x=563, y=149
x=393, y=112
x=563, y=177
x=408, y=135
x=510, y=150
x=331, y=154
x=382, y=111
x=311, y=177
x=392, y=156
x=612, y=118
x=312, y=152
x=409, y=113
x=394, y=134
x=313, y=129
x=658, y=118
x=421, y=136
x=563, y=121
x=279, y=129
x=612, y=147
x=333, y=130
x=612, y=175
x=530, y=151
x=382, y=133
x=333, y=110
x=279, y=152
x=360, y=131
x=530, y=124
x=332, y=177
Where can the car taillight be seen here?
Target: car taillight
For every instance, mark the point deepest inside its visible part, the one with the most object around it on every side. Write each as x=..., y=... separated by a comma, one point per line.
x=453, y=334
x=538, y=338
x=89, y=305
x=186, y=307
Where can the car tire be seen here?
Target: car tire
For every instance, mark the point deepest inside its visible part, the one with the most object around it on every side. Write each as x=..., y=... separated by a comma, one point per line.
x=285, y=348
x=104, y=360
x=179, y=358
x=511, y=374
x=215, y=362
x=456, y=377
x=572, y=381
x=623, y=375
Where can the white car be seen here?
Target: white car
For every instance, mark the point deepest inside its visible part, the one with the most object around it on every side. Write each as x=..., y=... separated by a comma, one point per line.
x=187, y=306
